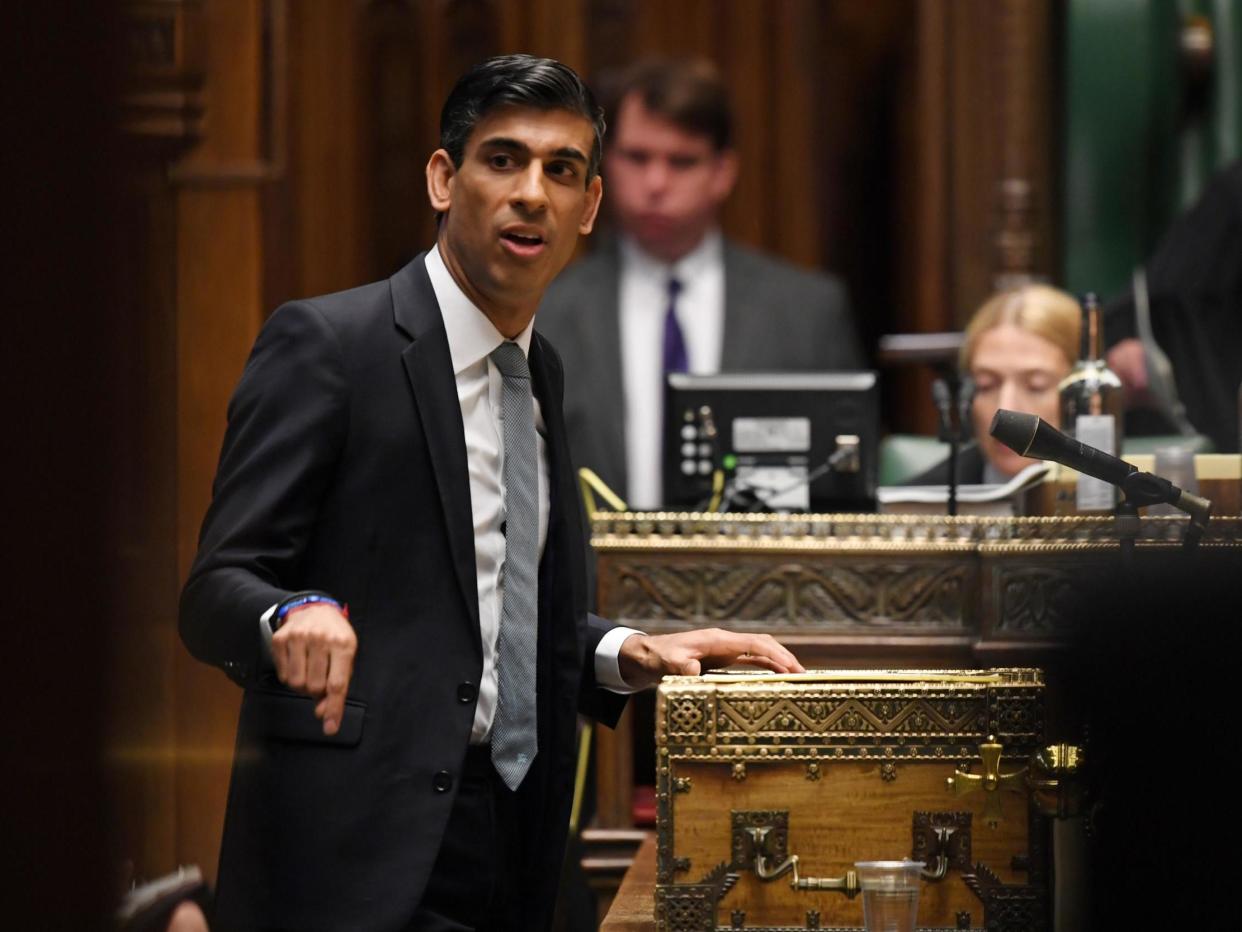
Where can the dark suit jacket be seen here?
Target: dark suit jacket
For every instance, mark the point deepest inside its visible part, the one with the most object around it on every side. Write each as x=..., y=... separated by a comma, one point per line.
x=344, y=470
x=778, y=317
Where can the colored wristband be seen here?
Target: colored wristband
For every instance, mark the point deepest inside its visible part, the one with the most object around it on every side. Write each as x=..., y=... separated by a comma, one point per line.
x=301, y=600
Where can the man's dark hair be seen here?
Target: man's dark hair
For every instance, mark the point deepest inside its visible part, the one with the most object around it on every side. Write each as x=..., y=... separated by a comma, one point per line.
x=517, y=81
x=690, y=93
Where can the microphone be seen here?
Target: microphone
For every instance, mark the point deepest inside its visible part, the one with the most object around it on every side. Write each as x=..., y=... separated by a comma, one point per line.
x=1030, y=435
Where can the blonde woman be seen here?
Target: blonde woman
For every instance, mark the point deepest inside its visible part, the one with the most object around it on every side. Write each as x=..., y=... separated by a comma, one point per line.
x=1018, y=346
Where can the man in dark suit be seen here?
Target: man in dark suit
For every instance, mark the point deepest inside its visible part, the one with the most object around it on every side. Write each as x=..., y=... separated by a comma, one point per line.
x=669, y=293
x=393, y=569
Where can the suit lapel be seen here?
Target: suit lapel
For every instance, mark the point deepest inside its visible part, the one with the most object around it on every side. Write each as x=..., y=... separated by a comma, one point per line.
x=429, y=368
x=556, y=441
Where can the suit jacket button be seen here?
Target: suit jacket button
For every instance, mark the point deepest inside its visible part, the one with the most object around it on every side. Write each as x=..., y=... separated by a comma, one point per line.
x=466, y=693
x=442, y=781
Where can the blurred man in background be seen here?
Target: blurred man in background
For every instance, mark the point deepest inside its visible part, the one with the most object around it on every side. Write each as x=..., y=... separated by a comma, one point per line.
x=669, y=293
x=1194, y=301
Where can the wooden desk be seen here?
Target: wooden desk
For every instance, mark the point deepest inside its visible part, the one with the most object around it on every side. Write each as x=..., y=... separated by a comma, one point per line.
x=860, y=591
x=916, y=592
x=633, y=909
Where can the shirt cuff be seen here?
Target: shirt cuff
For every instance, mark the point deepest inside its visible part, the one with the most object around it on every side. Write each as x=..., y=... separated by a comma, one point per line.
x=607, y=662
x=265, y=635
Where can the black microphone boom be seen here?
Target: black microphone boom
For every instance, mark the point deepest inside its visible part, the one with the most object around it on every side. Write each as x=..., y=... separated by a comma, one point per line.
x=1030, y=435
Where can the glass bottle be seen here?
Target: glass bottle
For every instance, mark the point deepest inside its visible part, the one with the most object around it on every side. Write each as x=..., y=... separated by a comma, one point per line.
x=1092, y=407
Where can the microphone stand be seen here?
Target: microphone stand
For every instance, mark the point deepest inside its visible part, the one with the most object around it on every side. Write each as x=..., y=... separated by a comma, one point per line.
x=1126, y=517
x=1144, y=489
x=952, y=395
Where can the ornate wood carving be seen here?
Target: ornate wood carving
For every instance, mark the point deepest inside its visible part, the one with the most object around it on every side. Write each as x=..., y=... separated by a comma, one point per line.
x=1034, y=599
x=162, y=47
x=270, y=159
x=1023, y=186
x=919, y=721
x=1009, y=907
x=927, y=594
x=862, y=576
x=686, y=907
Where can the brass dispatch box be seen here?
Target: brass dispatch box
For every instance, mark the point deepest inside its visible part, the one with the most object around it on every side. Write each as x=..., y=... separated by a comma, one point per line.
x=769, y=789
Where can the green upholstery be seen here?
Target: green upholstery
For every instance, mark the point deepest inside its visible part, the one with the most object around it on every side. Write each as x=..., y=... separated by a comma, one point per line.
x=904, y=456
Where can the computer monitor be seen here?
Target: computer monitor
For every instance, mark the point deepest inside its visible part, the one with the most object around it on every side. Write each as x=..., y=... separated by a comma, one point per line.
x=785, y=441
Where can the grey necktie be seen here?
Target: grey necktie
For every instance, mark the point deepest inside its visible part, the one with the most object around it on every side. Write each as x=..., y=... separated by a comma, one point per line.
x=514, y=740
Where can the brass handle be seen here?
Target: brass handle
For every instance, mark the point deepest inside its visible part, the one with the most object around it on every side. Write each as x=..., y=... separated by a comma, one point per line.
x=765, y=870
x=848, y=884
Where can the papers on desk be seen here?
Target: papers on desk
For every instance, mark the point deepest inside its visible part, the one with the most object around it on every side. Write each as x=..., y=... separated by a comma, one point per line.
x=993, y=500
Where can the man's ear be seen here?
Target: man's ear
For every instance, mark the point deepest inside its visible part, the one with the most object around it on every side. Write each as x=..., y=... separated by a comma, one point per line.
x=440, y=174
x=594, y=194
x=725, y=177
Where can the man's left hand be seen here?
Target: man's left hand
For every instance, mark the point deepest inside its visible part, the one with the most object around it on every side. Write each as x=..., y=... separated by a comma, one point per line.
x=646, y=658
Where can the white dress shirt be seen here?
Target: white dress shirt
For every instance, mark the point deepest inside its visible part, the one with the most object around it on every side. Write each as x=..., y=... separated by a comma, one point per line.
x=643, y=302
x=471, y=340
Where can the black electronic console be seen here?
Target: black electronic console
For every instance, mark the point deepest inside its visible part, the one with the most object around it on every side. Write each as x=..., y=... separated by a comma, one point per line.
x=772, y=441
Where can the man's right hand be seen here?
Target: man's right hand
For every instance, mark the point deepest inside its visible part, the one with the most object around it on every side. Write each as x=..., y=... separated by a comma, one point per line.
x=314, y=654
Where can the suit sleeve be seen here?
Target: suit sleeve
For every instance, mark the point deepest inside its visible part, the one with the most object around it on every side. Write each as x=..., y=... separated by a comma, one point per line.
x=594, y=701
x=287, y=422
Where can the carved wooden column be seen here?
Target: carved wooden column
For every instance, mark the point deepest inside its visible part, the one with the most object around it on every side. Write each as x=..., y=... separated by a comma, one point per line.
x=162, y=115
x=162, y=102
x=1022, y=239
x=203, y=111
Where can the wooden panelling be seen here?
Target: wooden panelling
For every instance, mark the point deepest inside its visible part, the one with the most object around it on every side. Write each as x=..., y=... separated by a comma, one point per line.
x=193, y=266
x=218, y=314
x=141, y=732
x=325, y=191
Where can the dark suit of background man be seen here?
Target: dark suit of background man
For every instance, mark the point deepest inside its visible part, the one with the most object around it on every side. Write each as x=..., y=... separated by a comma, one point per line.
x=360, y=510
x=669, y=166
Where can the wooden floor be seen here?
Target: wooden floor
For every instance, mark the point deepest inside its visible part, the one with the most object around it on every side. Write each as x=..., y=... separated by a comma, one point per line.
x=633, y=909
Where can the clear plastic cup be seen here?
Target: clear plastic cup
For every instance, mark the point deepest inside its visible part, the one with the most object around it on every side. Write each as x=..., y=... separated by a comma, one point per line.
x=890, y=894
x=1177, y=464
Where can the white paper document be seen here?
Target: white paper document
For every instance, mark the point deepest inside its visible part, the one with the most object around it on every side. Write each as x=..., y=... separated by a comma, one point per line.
x=983, y=500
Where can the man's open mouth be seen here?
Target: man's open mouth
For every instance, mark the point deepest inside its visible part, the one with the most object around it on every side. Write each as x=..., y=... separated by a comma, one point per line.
x=523, y=239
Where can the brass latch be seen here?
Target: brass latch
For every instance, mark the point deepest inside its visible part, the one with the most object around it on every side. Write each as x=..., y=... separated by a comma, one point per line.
x=1050, y=779
x=991, y=781
x=1054, y=782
